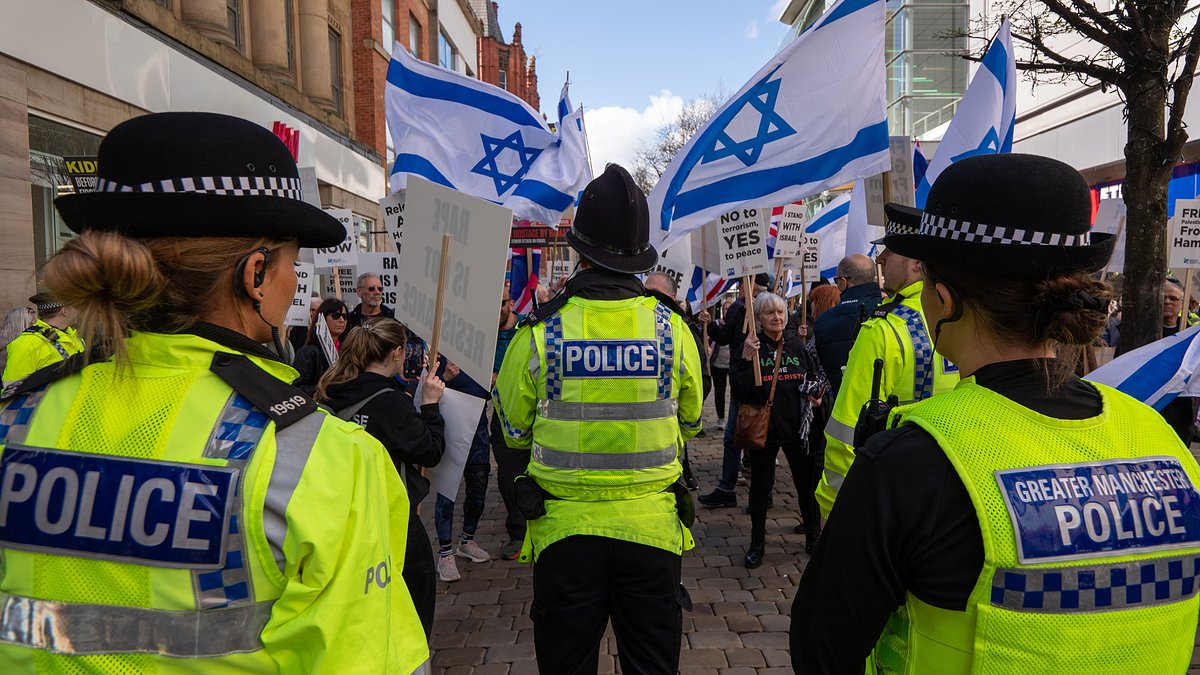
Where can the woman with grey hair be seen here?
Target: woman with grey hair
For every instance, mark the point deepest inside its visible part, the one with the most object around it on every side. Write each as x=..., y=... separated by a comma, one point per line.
x=16, y=320
x=799, y=385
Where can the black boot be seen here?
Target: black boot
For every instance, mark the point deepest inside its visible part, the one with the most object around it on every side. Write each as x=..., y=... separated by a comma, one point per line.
x=754, y=555
x=810, y=541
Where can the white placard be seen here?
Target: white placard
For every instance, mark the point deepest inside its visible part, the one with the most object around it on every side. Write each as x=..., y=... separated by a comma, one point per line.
x=306, y=279
x=742, y=242
x=309, y=191
x=1110, y=218
x=479, y=232
x=391, y=214
x=386, y=266
x=901, y=175
x=676, y=262
x=344, y=254
x=460, y=413
x=1183, y=234
x=811, y=258
x=791, y=230
x=706, y=247
x=348, y=276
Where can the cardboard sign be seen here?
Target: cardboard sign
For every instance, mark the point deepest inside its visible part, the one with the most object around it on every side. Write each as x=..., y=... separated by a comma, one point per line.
x=391, y=214
x=306, y=278
x=347, y=276
x=742, y=242
x=344, y=254
x=791, y=230
x=479, y=232
x=1183, y=234
x=386, y=266
x=809, y=257
x=901, y=176
x=527, y=233
x=676, y=262
x=1111, y=218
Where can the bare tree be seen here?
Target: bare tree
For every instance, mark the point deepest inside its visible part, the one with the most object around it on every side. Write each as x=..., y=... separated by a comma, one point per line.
x=1146, y=50
x=652, y=160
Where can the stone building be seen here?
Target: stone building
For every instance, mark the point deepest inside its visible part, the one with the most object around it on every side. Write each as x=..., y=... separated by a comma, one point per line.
x=502, y=63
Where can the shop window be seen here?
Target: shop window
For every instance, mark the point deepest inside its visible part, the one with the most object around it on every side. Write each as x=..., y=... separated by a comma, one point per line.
x=335, y=70
x=389, y=23
x=49, y=142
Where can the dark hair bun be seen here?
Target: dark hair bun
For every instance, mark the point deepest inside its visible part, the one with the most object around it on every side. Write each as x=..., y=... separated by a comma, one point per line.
x=1071, y=309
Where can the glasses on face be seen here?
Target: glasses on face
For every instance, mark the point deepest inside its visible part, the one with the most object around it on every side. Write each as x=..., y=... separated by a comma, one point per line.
x=340, y=314
x=373, y=289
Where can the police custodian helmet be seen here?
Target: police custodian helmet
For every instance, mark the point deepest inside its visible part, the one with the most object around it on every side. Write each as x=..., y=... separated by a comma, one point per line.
x=612, y=224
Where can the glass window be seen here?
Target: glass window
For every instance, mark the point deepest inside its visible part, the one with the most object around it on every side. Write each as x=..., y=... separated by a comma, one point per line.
x=289, y=31
x=49, y=142
x=335, y=70
x=414, y=36
x=446, y=54
x=233, y=18
x=504, y=80
x=389, y=23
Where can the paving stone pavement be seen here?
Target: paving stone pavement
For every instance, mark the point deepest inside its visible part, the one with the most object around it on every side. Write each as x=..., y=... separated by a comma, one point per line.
x=739, y=623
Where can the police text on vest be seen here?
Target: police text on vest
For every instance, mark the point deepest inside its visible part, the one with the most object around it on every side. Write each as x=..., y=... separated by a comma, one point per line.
x=610, y=358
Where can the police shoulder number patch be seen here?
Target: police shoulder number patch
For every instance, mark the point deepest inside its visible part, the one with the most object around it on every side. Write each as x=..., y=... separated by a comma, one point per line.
x=1101, y=509
x=162, y=514
x=610, y=358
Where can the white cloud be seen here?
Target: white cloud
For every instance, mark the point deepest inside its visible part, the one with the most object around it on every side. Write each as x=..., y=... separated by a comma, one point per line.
x=616, y=133
x=752, y=30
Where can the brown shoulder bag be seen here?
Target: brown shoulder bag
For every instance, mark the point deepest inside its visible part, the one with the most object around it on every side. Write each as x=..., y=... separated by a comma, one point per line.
x=753, y=419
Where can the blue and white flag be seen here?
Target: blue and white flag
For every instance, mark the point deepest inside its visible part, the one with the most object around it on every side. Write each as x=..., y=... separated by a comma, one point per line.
x=986, y=116
x=860, y=233
x=811, y=119
x=830, y=225
x=481, y=140
x=716, y=287
x=1158, y=372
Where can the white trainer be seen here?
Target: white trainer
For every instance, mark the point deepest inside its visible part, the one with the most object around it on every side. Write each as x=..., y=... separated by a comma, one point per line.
x=472, y=551
x=447, y=568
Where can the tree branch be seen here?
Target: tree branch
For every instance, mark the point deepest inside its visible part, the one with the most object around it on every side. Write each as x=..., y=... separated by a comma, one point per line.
x=1065, y=64
x=1176, y=129
x=1112, y=42
x=1106, y=24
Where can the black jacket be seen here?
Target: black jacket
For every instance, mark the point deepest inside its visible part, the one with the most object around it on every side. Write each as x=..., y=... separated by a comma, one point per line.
x=355, y=317
x=412, y=438
x=799, y=375
x=834, y=331
x=311, y=364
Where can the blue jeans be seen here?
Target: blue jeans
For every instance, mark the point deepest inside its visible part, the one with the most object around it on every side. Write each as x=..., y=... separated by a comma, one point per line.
x=733, y=456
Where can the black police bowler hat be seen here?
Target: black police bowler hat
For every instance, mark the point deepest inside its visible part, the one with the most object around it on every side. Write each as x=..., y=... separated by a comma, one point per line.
x=44, y=302
x=901, y=219
x=612, y=224
x=1011, y=215
x=195, y=174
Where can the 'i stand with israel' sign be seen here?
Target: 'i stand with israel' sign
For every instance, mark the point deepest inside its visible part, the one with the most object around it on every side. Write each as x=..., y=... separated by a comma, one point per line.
x=297, y=314
x=1184, y=234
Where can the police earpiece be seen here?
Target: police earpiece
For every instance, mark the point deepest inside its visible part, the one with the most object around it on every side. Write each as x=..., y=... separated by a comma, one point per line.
x=260, y=276
x=955, y=315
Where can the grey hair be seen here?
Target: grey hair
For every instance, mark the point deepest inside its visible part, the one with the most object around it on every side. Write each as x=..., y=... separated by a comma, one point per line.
x=670, y=280
x=363, y=277
x=15, y=321
x=766, y=301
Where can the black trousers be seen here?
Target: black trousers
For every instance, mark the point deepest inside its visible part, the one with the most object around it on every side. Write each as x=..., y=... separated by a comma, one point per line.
x=720, y=376
x=580, y=581
x=805, y=476
x=420, y=573
x=510, y=463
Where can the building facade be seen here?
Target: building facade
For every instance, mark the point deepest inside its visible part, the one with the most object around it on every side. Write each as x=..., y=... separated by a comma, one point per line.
x=502, y=63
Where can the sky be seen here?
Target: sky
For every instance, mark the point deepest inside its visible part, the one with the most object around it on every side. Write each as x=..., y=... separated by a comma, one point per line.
x=634, y=63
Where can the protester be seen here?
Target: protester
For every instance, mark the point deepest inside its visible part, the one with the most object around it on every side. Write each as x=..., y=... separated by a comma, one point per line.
x=49, y=340
x=321, y=347
x=476, y=471
x=606, y=528
x=510, y=461
x=16, y=320
x=834, y=334
x=719, y=367
x=278, y=508
x=1180, y=413
x=369, y=289
x=361, y=387
x=820, y=300
x=936, y=555
x=797, y=388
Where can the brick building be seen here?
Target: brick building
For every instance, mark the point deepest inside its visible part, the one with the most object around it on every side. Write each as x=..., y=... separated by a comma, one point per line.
x=501, y=63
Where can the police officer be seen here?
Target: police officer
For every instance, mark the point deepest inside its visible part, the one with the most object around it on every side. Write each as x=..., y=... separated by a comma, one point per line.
x=603, y=384
x=49, y=340
x=176, y=505
x=1028, y=521
x=897, y=334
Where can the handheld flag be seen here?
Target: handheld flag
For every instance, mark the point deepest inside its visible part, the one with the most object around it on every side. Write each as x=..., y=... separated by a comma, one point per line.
x=479, y=139
x=523, y=278
x=811, y=119
x=986, y=115
x=1158, y=372
x=830, y=223
x=716, y=288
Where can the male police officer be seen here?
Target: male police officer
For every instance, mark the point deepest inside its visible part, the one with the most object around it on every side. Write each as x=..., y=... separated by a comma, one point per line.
x=603, y=384
x=49, y=340
x=897, y=334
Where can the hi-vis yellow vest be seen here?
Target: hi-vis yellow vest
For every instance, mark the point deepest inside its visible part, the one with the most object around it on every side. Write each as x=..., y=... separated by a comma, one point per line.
x=1091, y=537
x=912, y=370
x=604, y=393
x=153, y=520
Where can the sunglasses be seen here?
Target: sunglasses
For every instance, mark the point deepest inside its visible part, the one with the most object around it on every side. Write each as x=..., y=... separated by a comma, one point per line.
x=340, y=314
x=373, y=288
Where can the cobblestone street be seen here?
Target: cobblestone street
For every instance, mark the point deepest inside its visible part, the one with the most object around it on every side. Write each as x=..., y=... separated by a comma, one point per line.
x=739, y=624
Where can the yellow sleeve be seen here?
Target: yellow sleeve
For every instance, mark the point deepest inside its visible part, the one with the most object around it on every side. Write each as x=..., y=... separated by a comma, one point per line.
x=344, y=606
x=691, y=387
x=515, y=391
x=27, y=353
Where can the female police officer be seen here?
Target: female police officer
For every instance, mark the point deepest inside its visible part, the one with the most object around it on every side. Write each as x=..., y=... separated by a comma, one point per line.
x=177, y=506
x=1028, y=521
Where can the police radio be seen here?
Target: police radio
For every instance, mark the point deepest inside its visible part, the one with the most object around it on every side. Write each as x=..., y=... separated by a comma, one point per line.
x=874, y=414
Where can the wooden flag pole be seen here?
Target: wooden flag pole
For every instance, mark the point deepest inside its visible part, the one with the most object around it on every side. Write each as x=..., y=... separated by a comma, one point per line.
x=803, y=299
x=1187, y=294
x=778, y=276
x=436, y=338
x=748, y=294
x=704, y=286
x=337, y=283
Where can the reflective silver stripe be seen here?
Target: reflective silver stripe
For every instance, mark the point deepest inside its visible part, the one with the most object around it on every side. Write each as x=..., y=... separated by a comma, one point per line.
x=840, y=431
x=422, y=669
x=293, y=445
x=1066, y=590
x=574, y=411
x=80, y=629
x=559, y=459
x=834, y=479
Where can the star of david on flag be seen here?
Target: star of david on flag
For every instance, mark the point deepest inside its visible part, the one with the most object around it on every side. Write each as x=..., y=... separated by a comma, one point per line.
x=481, y=140
x=986, y=116
x=812, y=118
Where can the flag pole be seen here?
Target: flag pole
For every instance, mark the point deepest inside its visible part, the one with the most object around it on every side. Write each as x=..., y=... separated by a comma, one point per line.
x=1187, y=295
x=436, y=338
x=752, y=329
x=703, y=287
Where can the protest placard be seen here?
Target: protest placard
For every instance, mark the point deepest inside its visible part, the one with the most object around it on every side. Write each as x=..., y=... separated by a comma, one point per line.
x=391, y=213
x=809, y=255
x=1110, y=218
x=1183, y=234
x=478, y=233
x=676, y=262
x=347, y=276
x=297, y=314
x=791, y=229
x=308, y=186
x=386, y=266
x=742, y=242
x=345, y=253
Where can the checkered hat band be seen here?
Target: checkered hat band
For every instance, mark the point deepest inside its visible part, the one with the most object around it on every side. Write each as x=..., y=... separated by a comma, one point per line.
x=893, y=227
x=961, y=230
x=236, y=186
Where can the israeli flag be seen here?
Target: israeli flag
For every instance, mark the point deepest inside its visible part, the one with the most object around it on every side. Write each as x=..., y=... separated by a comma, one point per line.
x=1158, y=372
x=830, y=223
x=986, y=116
x=481, y=140
x=716, y=287
x=811, y=119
